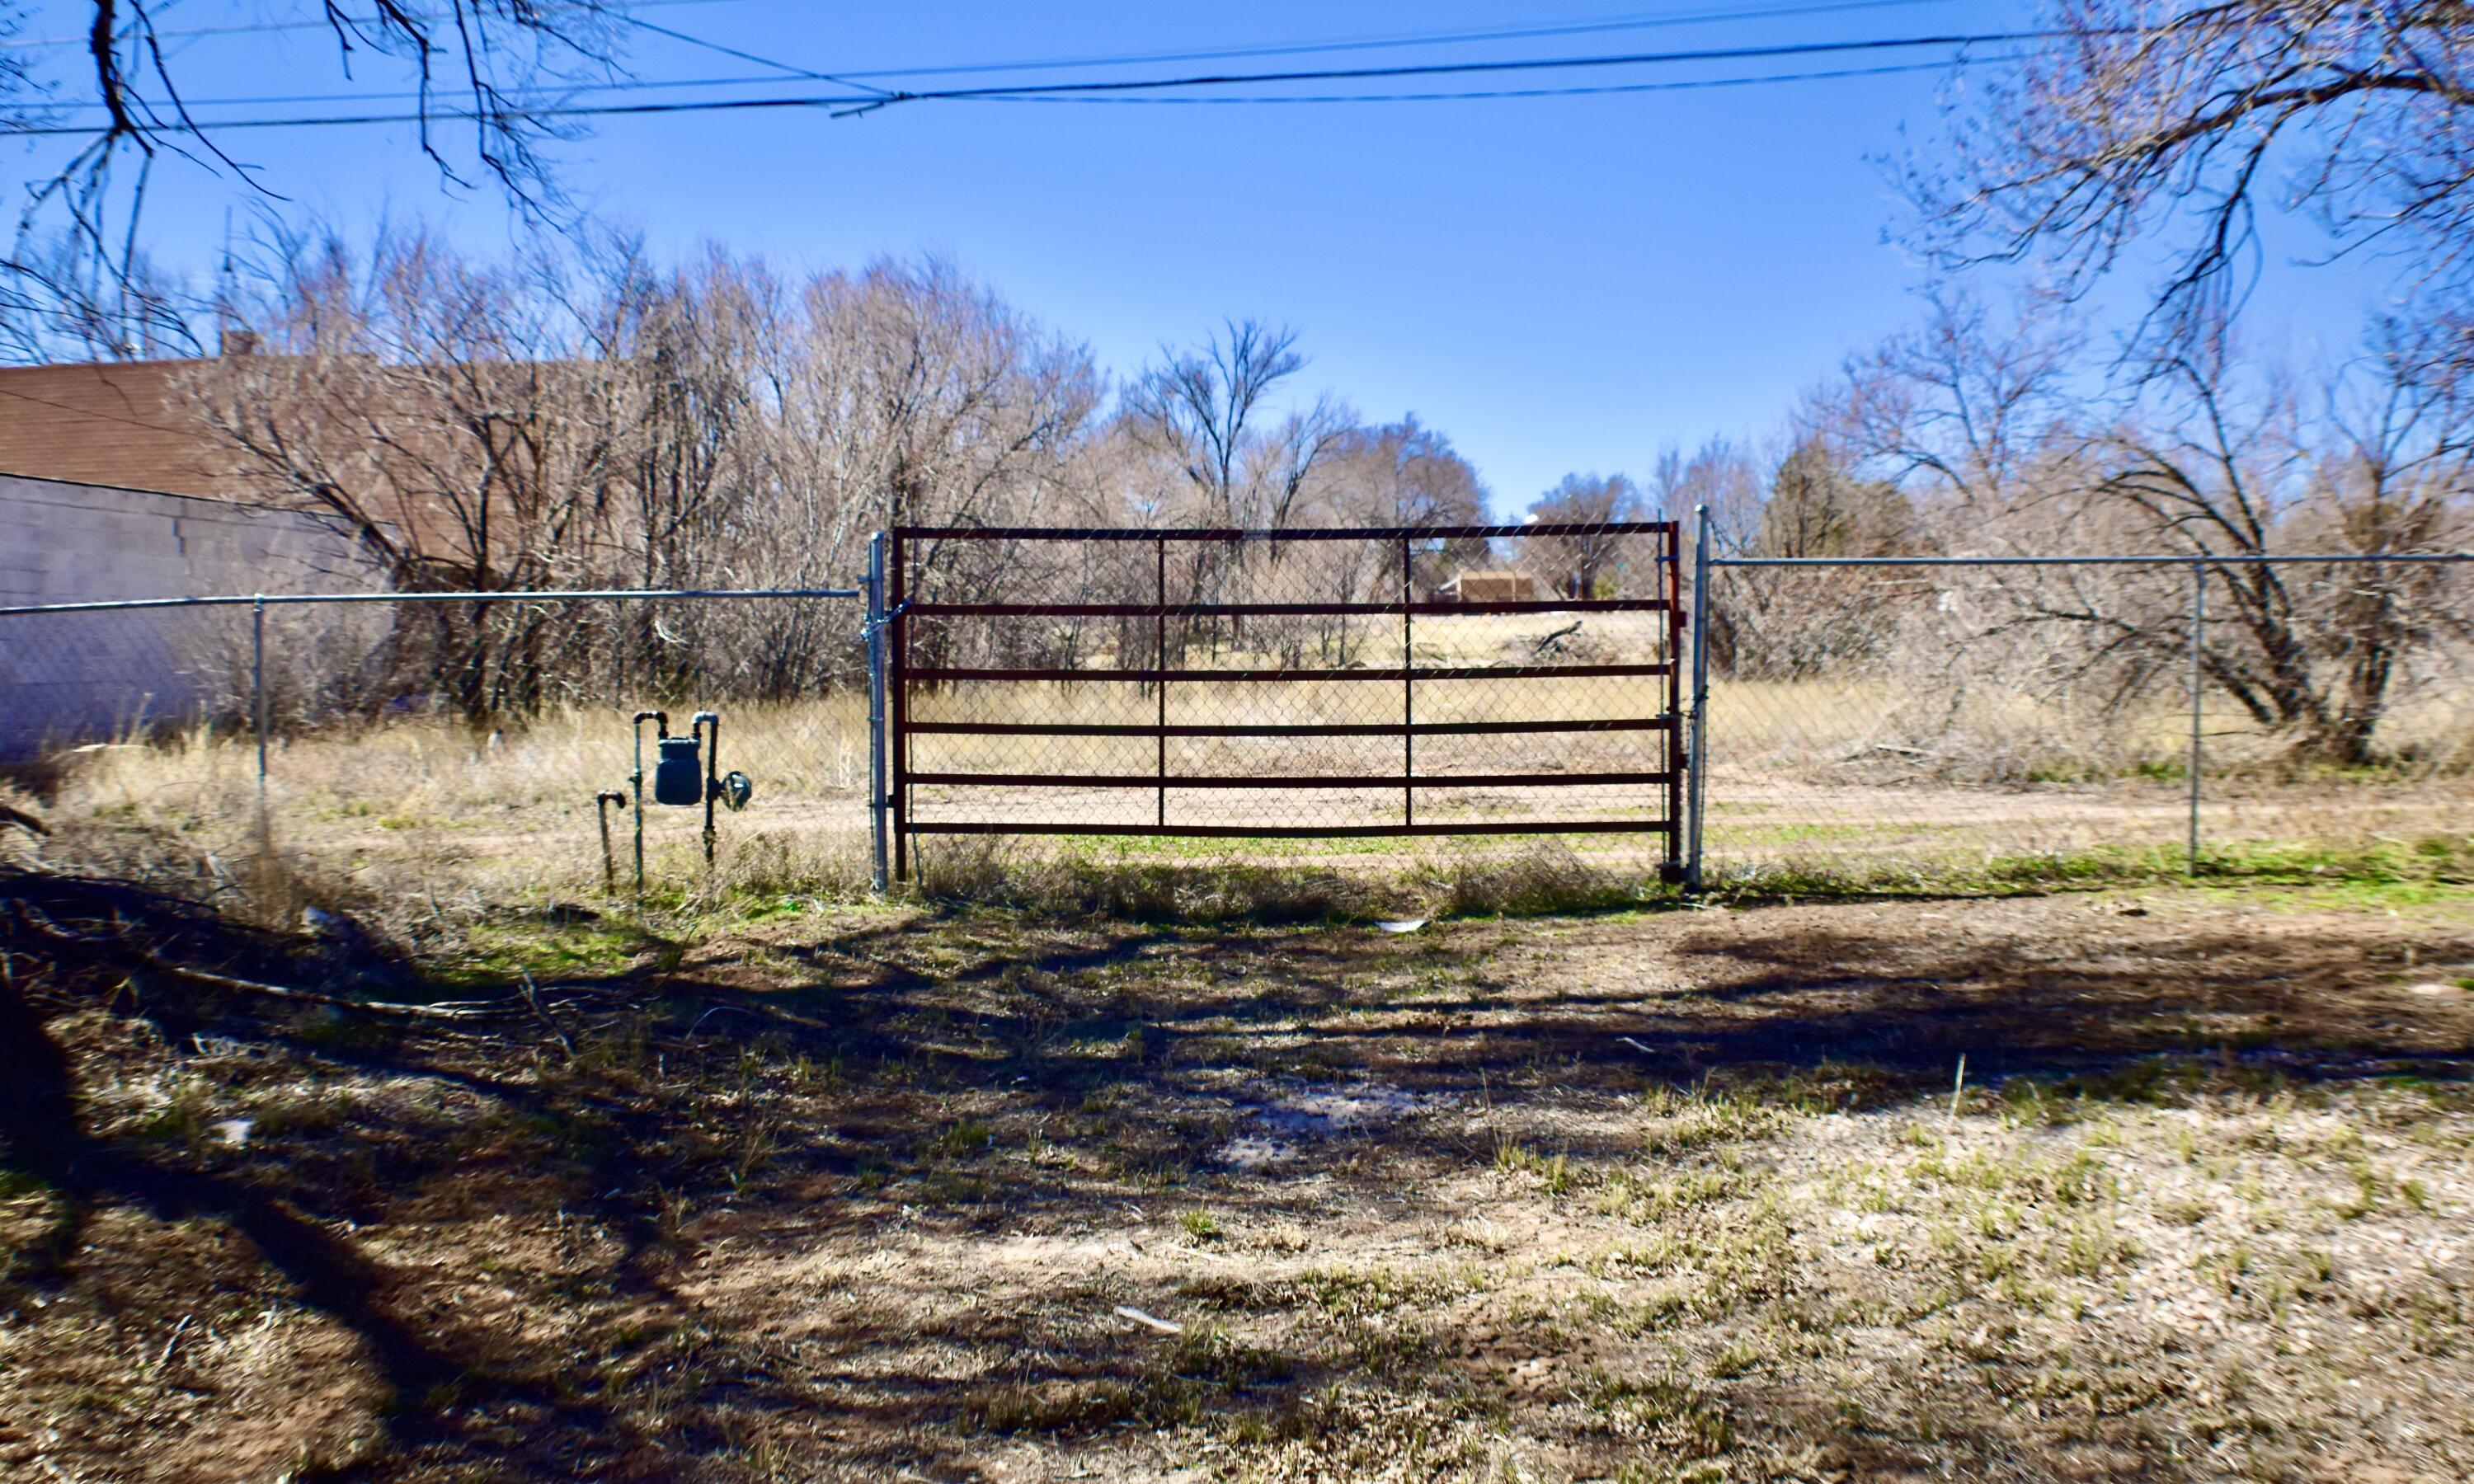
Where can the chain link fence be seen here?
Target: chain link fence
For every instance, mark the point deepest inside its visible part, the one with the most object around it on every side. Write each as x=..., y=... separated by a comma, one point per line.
x=1887, y=719
x=1937, y=717
x=428, y=746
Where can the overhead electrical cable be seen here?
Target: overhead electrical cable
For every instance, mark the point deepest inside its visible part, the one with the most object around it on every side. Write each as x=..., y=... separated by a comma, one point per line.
x=1639, y=21
x=1129, y=85
x=1480, y=95
x=306, y=23
x=855, y=76
x=732, y=51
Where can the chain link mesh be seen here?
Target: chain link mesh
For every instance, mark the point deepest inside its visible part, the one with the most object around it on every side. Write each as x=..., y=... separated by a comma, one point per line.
x=1867, y=721
x=450, y=747
x=1169, y=684
x=1890, y=719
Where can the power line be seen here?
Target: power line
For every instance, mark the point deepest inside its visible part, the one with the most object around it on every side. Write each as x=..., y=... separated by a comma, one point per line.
x=1479, y=68
x=732, y=51
x=856, y=77
x=1478, y=95
x=321, y=23
x=1127, y=86
x=1639, y=21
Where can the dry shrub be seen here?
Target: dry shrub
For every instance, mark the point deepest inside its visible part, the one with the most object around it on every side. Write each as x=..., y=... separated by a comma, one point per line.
x=995, y=871
x=1543, y=876
x=1538, y=877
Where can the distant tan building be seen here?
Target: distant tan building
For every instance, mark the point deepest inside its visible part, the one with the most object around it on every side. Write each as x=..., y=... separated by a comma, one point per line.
x=110, y=422
x=1503, y=586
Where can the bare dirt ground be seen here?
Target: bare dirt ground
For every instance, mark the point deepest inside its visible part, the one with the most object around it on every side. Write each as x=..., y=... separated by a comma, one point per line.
x=877, y=1193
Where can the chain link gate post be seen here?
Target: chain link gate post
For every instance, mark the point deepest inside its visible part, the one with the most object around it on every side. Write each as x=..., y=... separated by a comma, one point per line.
x=876, y=717
x=1697, y=745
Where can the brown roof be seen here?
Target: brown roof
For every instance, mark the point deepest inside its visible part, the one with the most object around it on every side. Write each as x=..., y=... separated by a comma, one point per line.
x=114, y=422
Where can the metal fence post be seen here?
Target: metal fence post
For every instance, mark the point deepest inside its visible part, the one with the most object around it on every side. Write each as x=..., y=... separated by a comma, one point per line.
x=1696, y=763
x=875, y=585
x=2198, y=627
x=257, y=708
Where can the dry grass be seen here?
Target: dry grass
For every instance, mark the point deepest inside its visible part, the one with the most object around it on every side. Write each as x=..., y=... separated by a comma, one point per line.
x=424, y=808
x=1820, y=778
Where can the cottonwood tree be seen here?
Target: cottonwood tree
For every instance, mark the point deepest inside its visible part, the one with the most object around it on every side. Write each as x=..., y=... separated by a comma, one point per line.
x=918, y=397
x=1399, y=473
x=1586, y=566
x=2205, y=455
x=2190, y=121
x=1203, y=416
x=461, y=422
x=2382, y=468
x=1813, y=500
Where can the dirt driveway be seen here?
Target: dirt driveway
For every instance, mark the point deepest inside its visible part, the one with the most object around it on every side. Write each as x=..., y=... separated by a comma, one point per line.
x=1698, y=1194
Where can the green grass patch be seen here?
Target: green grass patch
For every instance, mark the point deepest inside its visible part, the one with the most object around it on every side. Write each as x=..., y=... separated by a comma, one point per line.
x=494, y=955
x=2373, y=874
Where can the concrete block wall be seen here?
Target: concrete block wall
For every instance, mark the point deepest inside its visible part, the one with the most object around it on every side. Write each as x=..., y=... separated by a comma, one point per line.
x=69, y=678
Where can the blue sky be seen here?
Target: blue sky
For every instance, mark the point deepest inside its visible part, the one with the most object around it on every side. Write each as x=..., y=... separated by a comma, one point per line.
x=1557, y=284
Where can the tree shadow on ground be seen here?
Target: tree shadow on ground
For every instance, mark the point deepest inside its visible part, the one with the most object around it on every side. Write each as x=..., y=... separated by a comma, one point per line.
x=880, y=1085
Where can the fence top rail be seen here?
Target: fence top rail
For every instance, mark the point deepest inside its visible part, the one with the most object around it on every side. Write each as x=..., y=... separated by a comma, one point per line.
x=1435, y=607
x=542, y=595
x=1291, y=534
x=2196, y=559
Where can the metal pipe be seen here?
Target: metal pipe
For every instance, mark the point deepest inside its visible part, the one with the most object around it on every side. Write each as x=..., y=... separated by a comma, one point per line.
x=1159, y=689
x=2198, y=630
x=612, y=594
x=1439, y=532
x=632, y=594
x=2184, y=559
x=709, y=724
x=636, y=780
x=875, y=586
x=602, y=802
x=1696, y=765
x=1408, y=689
x=258, y=709
x=897, y=693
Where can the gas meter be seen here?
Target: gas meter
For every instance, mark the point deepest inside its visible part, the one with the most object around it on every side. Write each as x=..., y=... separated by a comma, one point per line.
x=686, y=773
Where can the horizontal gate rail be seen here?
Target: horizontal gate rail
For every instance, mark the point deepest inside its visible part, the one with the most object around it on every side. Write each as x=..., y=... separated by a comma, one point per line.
x=1290, y=780
x=1163, y=629
x=1496, y=672
x=1287, y=534
x=1437, y=609
x=1302, y=831
x=1285, y=728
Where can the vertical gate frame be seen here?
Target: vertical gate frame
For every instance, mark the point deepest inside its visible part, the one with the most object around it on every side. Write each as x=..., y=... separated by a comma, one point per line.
x=898, y=692
x=876, y=714
x=903, y=604
x=1696, y=767
x=1408, y=689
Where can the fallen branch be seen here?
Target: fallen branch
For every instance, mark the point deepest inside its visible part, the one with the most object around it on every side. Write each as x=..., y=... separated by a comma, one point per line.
x=103, y=948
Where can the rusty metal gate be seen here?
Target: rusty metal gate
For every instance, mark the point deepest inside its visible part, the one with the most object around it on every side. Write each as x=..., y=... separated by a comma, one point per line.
x=1293, y=685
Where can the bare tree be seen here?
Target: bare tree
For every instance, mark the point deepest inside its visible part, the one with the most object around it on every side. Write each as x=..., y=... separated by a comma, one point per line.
x=1583, y=564
x=1966, y=409
x=1200, y=410
x=478, y=70
x=2191, y=118
x=1402, y=474
x=2203, y=455
x=460, y=422
x=1198, y=414
x=1819, y=506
